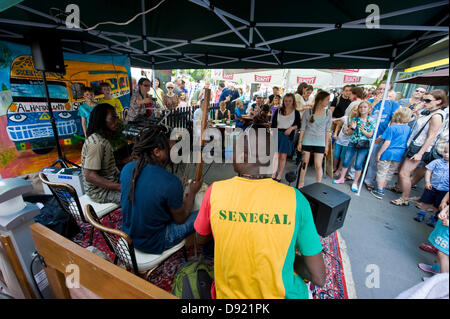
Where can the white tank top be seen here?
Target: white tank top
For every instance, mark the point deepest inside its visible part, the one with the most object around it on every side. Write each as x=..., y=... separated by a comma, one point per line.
x=421, y=121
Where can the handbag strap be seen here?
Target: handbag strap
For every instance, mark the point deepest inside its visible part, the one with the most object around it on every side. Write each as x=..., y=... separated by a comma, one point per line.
x=423, y=127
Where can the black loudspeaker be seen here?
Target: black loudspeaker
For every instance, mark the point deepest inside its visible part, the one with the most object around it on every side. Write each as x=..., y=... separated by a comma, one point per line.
x=48, y=54
x=329, y=207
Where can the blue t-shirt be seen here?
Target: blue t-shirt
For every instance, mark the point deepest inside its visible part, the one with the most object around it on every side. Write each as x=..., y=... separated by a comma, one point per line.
x=85, y=111
x=156, y=193
x=439, y=177
x=239, y=113
x=398, y=134
x=388, y=111
x=232, y=94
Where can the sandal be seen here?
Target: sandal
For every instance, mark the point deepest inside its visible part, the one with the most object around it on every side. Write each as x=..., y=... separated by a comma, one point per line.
x=369, y=187
x=400, y=202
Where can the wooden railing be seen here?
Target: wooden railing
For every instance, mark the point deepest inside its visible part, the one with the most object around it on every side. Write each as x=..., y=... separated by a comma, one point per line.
x=99, y=277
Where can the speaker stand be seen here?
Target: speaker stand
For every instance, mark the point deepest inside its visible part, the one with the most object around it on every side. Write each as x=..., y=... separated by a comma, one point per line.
x=62, y=160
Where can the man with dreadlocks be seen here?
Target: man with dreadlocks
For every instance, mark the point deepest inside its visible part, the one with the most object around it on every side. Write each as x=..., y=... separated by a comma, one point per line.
x=256, y=237
x=155, y=214
x=101, y=176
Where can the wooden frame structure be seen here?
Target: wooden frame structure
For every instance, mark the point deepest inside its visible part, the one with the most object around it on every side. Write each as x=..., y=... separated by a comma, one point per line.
x=98, y=276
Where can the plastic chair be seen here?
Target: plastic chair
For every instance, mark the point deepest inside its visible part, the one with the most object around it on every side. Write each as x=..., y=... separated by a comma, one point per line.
x=134, y=260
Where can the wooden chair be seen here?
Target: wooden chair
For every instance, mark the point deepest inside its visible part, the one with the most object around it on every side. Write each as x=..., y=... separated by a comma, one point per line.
x=68, y=198
x=134, y=260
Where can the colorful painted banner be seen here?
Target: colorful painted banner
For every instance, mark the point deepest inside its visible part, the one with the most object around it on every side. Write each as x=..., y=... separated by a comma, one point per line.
x=309, y=80
x=25, y=129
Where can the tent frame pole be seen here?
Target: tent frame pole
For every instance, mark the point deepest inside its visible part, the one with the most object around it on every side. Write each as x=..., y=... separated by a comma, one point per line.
x=380, y=114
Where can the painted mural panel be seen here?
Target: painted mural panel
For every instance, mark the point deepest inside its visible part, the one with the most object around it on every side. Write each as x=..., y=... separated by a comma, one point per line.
x=26, y=137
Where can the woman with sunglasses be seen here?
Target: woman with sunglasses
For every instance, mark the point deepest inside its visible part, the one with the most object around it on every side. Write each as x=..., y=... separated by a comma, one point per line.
x=141, y=102
x=170, y=100
x=422, y=138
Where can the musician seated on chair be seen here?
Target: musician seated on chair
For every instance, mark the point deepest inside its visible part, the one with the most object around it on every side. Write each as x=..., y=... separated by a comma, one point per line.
x=256, y=237
x=156, y=215
x=101, y=176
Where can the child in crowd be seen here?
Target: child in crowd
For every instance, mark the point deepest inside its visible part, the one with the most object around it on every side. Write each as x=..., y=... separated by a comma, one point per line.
x=391, y=152
x=105, y=88
x=439, y=240
x=276, y=103
x=361, y=129
x=182, y=102
x=436, y=186
x=85, y=109
x=342, y=140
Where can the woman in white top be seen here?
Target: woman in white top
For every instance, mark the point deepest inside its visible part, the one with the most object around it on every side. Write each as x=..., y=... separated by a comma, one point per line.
x=421, y=140
x=286, y=119
x=305, y=101
x=157, y=92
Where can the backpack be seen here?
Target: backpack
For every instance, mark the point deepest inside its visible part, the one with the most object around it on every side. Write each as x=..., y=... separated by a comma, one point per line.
x=53, y=216
x=194, y=280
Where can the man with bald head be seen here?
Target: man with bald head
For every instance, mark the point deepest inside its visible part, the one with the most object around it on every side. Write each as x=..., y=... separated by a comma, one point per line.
x=260, y=223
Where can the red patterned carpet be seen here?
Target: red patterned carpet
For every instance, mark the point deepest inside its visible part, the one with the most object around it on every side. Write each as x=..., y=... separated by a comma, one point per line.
x=163, y=276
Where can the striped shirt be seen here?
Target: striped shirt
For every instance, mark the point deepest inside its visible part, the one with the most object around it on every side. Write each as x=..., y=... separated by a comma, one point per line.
x=97, y=154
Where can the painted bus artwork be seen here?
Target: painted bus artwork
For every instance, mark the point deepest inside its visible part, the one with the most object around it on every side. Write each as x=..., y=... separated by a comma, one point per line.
x=29, y=126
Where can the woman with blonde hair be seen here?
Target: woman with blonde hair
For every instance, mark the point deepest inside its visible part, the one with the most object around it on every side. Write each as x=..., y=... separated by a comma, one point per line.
x=392, y=150
x=170, y=99
x=361, y=130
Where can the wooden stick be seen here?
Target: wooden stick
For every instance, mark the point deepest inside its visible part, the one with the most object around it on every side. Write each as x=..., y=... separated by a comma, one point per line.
x=17, y=267
x=101, y=277
x=205, y=110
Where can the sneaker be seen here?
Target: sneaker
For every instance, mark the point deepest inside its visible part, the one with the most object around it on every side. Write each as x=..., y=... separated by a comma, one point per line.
x=420, y=216
x=338, y=181
x=377, y=193
x=354, y=188
x=428, y=248
x=434, y=269
x=432, y=221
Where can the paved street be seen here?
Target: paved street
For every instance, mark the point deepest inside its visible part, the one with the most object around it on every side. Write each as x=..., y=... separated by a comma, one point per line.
x=376, y=233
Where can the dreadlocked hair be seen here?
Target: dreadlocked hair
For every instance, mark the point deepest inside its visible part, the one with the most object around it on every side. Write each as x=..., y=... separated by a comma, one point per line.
x=97, y=119
x=150, y=138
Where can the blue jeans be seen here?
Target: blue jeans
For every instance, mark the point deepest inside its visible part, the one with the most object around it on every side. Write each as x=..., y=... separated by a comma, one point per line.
x=360, y=156
x=175, y=233
x=372, y=167
x=339, y=151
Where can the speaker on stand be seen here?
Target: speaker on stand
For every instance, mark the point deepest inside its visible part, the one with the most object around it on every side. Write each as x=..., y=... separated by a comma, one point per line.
x=48, y=57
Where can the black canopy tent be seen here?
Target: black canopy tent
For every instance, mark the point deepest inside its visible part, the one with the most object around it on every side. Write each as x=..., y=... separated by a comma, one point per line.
x=171, y=34
x=238, y=33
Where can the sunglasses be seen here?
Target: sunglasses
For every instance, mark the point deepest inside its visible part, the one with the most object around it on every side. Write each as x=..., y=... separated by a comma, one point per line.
x=146, y=85
x=170, y=87
x=420, y=91
x=427, y=100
